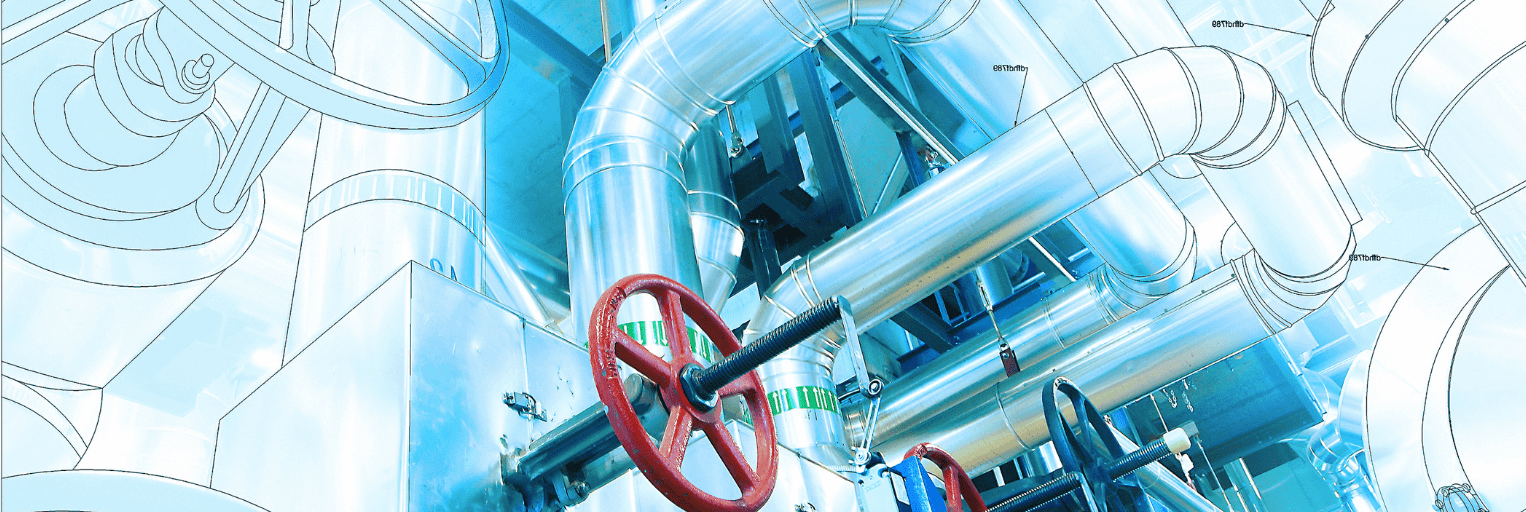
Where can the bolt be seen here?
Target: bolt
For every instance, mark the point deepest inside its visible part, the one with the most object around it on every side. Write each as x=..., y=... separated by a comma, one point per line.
x=196, y=74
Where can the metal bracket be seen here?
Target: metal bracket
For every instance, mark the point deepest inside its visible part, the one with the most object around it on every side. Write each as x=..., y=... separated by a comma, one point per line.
x=524, y=404
x=1008, y=358
x=869, y=386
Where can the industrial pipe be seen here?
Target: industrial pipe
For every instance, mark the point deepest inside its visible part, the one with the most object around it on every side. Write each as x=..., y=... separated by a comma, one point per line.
x=713, y=215
x=1212, y=318
x=1069, y=315
x=507, y=282
x=623, y=183
x=1216, y=106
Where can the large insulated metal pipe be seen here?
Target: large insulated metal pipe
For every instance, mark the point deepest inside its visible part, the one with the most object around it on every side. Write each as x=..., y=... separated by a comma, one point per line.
x=623, y=182
x=382, y=197
x=1218, y=107
x=1163, y=262
x=1212, y=318
x=713, y=215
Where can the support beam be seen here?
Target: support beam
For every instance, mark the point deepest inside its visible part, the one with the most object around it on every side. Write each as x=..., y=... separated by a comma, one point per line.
x=776, y=142
x=764, y=254
x=818, y=117
x=583, y=69
x=854, y=69
x=926, y=325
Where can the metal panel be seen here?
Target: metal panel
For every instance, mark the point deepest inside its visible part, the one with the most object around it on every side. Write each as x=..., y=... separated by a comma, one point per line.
x=399, y=405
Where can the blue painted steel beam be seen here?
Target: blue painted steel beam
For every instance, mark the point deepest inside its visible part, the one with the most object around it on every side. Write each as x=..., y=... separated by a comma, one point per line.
x=818, y=118
x=583, y=69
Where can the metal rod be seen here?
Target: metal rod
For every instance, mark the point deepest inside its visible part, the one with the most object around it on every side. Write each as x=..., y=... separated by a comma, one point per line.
x=895, y=103
x=582, y=438
x=753, y=355
x=588, y=435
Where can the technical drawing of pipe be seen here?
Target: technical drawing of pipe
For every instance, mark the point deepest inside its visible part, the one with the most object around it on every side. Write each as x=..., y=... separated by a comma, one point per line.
x=383, y=197
x=1440, y=76
x=1112, y=138
x=107, y=144
x=151, y=79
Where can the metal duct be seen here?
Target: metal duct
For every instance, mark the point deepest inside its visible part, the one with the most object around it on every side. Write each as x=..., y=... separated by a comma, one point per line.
x=622, y=175
x=1212, y=318
x=1162, y=259
x=1334, y=447
x=1058, y=321
x=713, y=215
x=546, y=274
x=1218, y=107
x=1149, y=246
x=382, y=197
x=508, y=284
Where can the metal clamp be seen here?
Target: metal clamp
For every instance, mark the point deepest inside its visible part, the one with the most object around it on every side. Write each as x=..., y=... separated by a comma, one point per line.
x=524, y=404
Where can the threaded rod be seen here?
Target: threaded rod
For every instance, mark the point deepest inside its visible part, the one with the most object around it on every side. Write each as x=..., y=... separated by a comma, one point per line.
x=769, y=346
x=1156, y=450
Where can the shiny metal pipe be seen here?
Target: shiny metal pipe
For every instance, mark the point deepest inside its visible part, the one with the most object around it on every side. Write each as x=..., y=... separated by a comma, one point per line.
x=623, y=184
x=1200, y=101
x=546, y=274
x=994, y=278
x=963, y=64
x=1058, y=321
x=1138, y=231
x=1334, y=446
x=713, y=215
x=502, y=276
x=1218, y=315
x=1159, y=483
x=382, y=197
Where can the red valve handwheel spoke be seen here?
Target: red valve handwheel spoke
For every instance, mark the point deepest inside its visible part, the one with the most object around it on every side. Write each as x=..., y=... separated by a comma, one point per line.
x=731, y=455
x=662, y=463
x=955, y=480
x=642, y=360
x=673, y=323
x=675, y=439
x=740, y=387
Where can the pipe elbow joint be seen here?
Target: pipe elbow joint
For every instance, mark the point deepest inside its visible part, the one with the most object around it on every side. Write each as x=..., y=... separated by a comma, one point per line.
x=1239, y=109
x=1282, y=300
x=1138, y=291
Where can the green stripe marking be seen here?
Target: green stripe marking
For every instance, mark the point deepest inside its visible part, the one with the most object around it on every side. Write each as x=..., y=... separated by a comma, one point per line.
x=651, y=333
x=801, y=397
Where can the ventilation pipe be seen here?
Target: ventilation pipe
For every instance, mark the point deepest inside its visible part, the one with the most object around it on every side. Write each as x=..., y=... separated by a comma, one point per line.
x=623, y=182
x=1218, y=107
x=713, y=215
x=1163, y=262
x=1334, y=447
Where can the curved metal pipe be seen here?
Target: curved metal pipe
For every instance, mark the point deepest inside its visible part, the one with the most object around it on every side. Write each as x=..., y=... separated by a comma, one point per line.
x=623, y=183
x=1212, y=318
x=714, y=217
x=1218, y=107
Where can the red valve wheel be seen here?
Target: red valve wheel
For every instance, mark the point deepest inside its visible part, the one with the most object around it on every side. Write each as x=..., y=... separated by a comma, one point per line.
x=955, y=480
x=661, y=464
